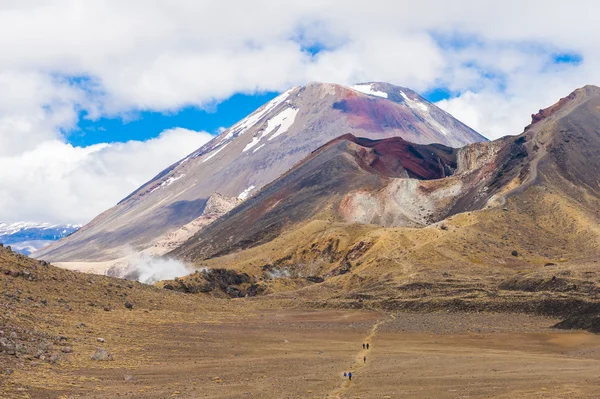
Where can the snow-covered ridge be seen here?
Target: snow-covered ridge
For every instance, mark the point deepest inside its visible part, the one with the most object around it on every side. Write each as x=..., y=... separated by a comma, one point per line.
x=423, y=110
x=12, y=228
x=214, y=152
x=414, y=104
x=216, y=145
x=27, y=237
x=242, y=126
x=167, y=182
x=282, y=122
x=368, y=89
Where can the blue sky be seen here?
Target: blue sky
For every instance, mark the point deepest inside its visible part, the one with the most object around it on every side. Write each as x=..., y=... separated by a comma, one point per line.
x=147, y=124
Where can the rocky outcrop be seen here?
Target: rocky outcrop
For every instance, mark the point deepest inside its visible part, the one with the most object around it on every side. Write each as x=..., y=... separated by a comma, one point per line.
x=219, y=282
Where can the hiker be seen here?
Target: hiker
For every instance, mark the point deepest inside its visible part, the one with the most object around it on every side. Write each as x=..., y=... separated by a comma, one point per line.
x=365, y=359
x=367, y=346
x=345, y=374
x=363, y=346
x=350, y=376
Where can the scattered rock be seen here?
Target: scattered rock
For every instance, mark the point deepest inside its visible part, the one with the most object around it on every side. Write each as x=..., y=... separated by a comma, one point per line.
x=20, y=348
x=129, y=305
x=67, y=349
x=81, y=325
x=107, y=308
x=514, y=253
x=54, y=358
x=550, y=264
x=128, y=377
x=101, y=340
x=102, y=354
x=45, y=346
x=13, y=335
x=9, y=347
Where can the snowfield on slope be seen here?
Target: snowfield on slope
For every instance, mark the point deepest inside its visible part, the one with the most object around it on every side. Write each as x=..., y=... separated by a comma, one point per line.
x=282, y=122
x=368, y=89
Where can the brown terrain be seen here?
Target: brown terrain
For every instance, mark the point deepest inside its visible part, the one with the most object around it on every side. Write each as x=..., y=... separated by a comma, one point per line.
x=166, y=344
x=472, y=273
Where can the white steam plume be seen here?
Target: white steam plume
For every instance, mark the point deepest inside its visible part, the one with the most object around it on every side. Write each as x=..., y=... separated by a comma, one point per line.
x=148, y=269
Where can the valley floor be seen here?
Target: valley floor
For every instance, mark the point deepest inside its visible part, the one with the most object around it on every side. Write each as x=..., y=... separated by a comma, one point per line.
x=244, y=351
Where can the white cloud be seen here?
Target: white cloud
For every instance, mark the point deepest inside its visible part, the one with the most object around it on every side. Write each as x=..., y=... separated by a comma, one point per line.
x=56, y=182
x=153, y=55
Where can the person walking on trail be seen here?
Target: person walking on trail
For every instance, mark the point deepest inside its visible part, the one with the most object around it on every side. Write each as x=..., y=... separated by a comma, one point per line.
x=350, y=376
x=367, y=346
x=365, y=359
x=363, y=346
x=345, y=374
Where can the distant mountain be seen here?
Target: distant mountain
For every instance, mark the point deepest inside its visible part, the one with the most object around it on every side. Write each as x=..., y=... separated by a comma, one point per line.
x=253, y=153
x=28, y=237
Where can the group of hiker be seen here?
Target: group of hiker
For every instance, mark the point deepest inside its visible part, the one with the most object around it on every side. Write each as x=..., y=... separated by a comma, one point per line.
x=349, y=374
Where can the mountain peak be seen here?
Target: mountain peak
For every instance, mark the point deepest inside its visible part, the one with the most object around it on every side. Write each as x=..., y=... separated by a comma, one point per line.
x=254, y=152
x=567, y=103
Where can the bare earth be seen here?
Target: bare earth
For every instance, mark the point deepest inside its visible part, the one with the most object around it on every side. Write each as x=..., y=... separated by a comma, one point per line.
x=265, y=353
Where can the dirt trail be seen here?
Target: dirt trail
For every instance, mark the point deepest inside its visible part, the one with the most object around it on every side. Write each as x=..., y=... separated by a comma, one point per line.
x=533, y=171
x=358, y=361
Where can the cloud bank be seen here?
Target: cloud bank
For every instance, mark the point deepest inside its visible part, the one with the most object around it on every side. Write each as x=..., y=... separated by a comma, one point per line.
x=58, y=183
x=500, y=61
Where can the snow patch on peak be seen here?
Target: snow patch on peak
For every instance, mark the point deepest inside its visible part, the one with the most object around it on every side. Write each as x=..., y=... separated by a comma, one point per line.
x=417, y=105
x=215, y=152
x=167, y=182
x=242, y=126
x=423, y=110
x=170, y=180
x=246, y=193
x=368, y=89
x=285, y=120
x=282, y=122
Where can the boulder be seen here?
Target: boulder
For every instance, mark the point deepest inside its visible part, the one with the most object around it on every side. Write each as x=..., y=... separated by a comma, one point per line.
x=102, y=354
